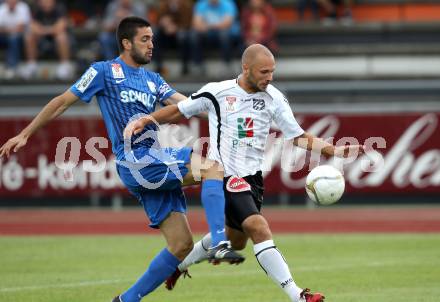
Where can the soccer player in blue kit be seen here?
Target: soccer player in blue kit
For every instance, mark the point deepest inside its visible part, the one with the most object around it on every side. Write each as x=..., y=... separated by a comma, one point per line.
x=125, y=91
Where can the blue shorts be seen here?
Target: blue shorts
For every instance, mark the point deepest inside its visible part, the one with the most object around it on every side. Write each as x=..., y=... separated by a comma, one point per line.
x=155, y=178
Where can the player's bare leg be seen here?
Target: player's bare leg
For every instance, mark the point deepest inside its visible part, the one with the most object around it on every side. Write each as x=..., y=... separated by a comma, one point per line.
x=272, y=261
x=238, y=238
x=257, y=228
x=177, y=234
x=269, y=257
x=211, y=173
x=199, y=253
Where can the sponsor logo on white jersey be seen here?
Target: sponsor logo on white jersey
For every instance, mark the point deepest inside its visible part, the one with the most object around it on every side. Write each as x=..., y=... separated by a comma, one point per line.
x=245, y=127
x=230, y=106
x=245, y=142
x=245, y=133
x=86, y=79
x=117, y=71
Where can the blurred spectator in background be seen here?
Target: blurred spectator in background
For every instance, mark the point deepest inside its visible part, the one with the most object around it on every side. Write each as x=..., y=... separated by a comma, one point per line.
x=259, y=24
x=86, y=13
x=49, y=25
x=215, y=22
x=116, y=11
x=14, y=18
x=314, y=6
x=331, y=7
x=173, y=28
x=240, y=4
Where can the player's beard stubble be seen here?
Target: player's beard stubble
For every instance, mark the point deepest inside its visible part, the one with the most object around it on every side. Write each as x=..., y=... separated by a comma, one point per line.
x=138, y=57
x=251, y=81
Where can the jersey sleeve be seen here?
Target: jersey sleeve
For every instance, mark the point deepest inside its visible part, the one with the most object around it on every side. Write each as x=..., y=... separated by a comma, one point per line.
x=283, y=117
x=90, y=83
x=196, y=103
x=164, y=90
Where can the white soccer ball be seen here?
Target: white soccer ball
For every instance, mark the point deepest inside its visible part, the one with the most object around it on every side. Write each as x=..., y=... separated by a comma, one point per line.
x=325, y=185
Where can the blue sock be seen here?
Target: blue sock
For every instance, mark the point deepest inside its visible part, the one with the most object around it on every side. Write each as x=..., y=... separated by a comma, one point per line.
x=161, y=267
x=213, y=200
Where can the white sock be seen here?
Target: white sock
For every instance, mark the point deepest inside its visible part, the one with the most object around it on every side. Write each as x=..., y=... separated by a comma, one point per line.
x=273, y=263
x=198, y=253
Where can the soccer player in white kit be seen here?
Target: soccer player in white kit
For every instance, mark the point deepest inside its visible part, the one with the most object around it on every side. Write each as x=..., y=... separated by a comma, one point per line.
x=240, y=115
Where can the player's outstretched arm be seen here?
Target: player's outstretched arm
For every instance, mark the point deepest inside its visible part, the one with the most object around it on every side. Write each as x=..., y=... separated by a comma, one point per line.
x=54, y=108
x=178, y=97
x=174, y=99
x=168, y=114
x=312, y=143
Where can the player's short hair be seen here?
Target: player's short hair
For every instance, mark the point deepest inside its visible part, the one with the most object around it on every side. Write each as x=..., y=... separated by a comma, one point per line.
x=127, y=29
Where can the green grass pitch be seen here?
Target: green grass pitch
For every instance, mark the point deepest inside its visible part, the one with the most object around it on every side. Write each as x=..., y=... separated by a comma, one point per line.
x=348, y=268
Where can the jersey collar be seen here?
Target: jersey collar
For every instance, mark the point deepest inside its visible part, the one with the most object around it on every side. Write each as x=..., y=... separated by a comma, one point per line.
x=128, y=67
x=244, y=91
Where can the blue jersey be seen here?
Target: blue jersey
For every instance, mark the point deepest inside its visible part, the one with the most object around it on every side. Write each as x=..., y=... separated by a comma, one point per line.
x=215, y=13
x=122, y=92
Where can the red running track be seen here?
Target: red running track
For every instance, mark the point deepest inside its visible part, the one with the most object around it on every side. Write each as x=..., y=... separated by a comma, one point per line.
x=282, y=220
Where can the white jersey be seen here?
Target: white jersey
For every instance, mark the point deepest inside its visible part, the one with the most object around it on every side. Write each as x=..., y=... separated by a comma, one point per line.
x=19, y=16
x=239, y=123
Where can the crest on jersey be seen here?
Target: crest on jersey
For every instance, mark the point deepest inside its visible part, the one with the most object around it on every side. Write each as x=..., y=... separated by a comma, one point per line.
x=258, y=104
x=237, y=184
x=117, y=71
x=245, y=127
x=151, y=86
x=230, y=106
x=164, y=89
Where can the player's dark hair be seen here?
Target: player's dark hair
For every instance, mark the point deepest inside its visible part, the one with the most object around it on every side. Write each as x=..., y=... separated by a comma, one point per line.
x=127, y=29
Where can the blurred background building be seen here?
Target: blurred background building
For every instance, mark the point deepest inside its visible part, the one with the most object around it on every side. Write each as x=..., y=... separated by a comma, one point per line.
x=361, y=68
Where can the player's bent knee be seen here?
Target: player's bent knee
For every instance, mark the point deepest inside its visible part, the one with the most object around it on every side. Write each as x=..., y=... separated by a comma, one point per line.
x=258, y=235
x=181, y=249
x=257, y=228
x=187, y=248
